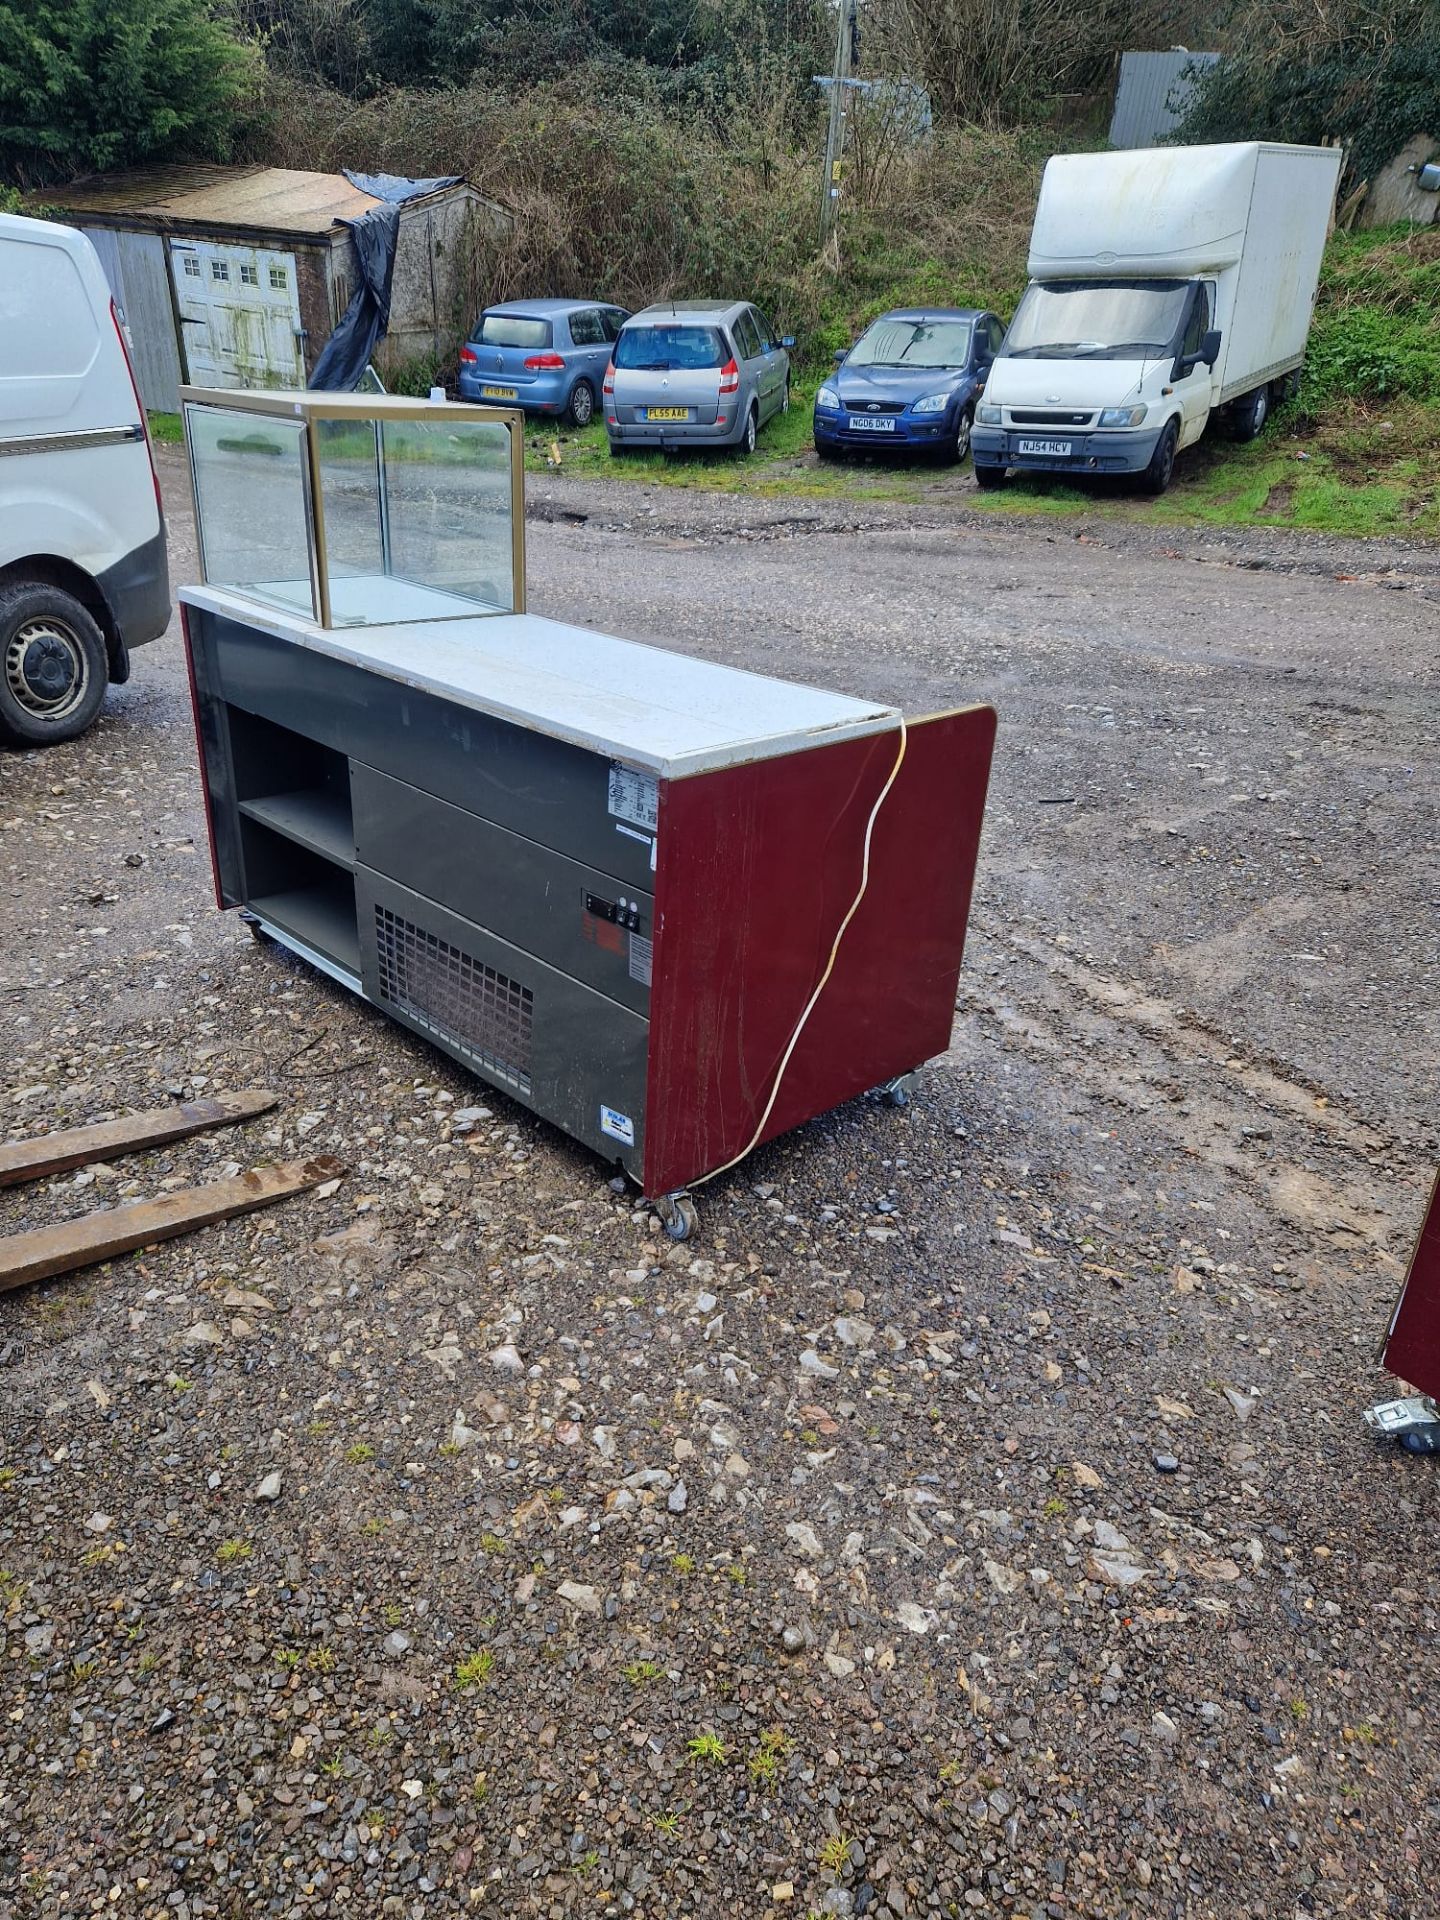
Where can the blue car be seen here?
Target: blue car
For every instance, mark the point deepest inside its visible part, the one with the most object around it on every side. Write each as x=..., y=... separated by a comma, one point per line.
x=547, y=356
x=910, y=381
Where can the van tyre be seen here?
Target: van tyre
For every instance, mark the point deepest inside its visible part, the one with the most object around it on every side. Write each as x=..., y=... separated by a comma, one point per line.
x=747, y=437
x=1249, y=414
x=989, y=477
x=582, y=404
x=1161, y=470
x=53, y=666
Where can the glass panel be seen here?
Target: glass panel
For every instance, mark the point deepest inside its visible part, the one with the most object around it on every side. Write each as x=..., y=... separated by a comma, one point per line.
x=513, y=330
x=421, y=531
x=670, y=348
x=586, y=330
x=250, y=504
x=349, y=452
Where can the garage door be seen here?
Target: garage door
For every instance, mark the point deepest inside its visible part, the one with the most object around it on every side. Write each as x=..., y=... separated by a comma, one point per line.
x=240, y=315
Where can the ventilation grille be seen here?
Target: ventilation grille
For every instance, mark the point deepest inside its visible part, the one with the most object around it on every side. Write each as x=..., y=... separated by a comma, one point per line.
x=1047, y=417
x=482, y=1013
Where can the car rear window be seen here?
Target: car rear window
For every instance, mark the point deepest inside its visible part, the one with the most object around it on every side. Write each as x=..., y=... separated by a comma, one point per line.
x=513, y=330
x=663, y=348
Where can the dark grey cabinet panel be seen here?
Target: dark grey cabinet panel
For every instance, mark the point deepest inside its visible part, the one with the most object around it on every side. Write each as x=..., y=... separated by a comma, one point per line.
x=573, y=1055
x=528, y=894
x=547, y=790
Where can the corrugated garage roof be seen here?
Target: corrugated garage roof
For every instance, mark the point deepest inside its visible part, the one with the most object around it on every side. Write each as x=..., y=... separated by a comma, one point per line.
x=272, y=200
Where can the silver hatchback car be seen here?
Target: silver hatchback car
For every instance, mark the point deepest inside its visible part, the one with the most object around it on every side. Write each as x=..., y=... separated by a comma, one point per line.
x=695, y=373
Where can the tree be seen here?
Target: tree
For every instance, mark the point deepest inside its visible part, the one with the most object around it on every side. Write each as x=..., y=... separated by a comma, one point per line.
x=1363, y=72
x=92, y=84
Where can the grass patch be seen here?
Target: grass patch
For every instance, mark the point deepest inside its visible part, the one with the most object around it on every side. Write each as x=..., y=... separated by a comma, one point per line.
x=166, y=430
x=474, y=1670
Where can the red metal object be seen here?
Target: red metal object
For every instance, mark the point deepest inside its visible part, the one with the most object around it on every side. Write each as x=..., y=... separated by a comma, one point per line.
x=757, y=866
x=1412, y=1346
x=220, y=899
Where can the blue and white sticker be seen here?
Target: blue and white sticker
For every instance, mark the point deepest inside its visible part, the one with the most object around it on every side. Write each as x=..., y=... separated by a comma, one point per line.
x=619, y=1126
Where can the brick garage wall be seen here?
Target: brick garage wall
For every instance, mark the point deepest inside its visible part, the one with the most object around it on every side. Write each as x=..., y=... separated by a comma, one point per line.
x=317, y=316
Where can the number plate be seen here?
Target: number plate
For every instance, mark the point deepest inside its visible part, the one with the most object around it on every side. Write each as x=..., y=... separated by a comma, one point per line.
x=497, y=393
x=860, y=423
x=664, y=413
x=1046, y=449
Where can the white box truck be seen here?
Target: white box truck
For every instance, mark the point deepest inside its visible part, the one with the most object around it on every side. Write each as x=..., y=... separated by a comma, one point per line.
x=83, y=575
x=1165, y=285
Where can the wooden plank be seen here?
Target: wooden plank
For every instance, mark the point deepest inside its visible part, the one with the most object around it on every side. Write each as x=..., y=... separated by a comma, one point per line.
x=81, y=1146
x=26, y=1257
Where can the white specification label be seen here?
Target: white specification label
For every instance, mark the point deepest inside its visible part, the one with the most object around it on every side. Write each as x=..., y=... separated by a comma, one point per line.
x=619, y=1126
x=635, y=797
x=642, y=953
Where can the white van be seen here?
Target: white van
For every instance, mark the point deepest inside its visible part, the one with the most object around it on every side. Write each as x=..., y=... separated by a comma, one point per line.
x=82, y=536
x=1166, y=286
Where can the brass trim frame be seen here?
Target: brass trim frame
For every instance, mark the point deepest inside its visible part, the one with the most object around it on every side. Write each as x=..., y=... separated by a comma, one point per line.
x=306, y=407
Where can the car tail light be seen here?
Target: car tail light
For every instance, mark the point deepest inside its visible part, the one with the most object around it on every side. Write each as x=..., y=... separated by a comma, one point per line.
x=544, y=362
x=469, y=357
x=730, y=377
x=610, y=378
x=139, y=406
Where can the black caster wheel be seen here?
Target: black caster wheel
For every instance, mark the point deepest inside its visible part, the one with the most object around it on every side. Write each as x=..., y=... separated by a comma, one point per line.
x=896, y=1093
x=252, y=922
x=677, y=1215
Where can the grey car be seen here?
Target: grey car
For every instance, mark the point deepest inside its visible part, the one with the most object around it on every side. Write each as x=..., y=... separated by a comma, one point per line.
x=695, y=373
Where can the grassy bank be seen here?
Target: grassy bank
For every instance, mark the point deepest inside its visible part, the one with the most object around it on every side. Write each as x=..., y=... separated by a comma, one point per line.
x=1357, y=453
x=1363, y=474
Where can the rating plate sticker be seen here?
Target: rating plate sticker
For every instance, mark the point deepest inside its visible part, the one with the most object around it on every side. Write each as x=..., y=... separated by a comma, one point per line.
x=635, y=797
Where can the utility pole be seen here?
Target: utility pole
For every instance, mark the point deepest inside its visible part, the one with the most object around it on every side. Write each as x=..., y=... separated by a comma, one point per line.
x=835, y=136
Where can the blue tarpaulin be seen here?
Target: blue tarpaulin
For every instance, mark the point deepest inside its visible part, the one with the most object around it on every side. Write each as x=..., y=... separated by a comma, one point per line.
x=366, y=320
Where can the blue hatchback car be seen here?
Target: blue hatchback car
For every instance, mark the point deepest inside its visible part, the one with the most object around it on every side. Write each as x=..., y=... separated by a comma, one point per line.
x=547, y=356
x=910, y=381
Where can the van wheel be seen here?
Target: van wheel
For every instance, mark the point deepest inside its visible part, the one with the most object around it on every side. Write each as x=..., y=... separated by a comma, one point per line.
x=747, y=438
x=1161, y=470
x=582, y=404
x=1249, y=414
x=988, y=477
x=53, y=667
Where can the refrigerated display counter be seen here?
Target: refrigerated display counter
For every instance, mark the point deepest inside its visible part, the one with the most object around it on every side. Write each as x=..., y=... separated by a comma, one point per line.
x=673, y=907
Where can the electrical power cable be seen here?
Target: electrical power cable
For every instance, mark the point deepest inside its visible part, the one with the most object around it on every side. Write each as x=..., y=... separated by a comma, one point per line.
x=820, y=984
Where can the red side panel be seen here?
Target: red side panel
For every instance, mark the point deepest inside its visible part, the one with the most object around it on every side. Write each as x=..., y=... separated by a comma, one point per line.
x=1413, y=1347
x=189, y=647
x=757, y=865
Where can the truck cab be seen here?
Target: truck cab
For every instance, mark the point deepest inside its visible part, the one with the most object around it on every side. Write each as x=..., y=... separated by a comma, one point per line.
x=1166, y=286
x=1103, y=376
x=83, y=574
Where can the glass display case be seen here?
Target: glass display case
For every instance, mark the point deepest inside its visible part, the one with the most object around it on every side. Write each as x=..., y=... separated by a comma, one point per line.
x=358, y=509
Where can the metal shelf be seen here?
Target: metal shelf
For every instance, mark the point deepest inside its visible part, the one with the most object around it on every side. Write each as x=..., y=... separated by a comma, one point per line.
x=315, y=817
x=321, y=917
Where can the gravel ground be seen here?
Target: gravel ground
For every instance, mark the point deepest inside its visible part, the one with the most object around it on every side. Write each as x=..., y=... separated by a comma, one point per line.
x=975, y=1519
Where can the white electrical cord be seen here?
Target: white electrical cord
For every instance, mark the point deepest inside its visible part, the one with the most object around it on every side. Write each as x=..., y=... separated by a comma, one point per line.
x=853, y=909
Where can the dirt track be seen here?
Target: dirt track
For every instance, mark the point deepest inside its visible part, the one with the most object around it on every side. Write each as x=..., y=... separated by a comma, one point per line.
x=1179, y=1146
